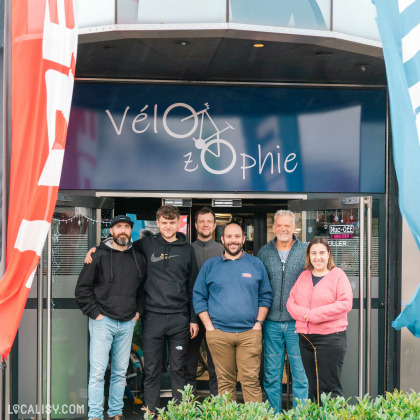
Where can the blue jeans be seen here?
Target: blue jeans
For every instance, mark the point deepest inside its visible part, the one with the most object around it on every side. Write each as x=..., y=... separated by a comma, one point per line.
x=108, y=335
x=277, y=338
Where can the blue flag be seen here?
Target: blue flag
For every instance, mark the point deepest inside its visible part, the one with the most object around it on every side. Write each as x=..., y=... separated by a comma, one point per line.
x=399, y=27
x=410, y=317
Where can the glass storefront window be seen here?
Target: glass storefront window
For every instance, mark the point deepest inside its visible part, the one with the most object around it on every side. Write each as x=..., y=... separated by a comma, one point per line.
x=182, y=11
x=95, y=13
x=106, y=216
x=348, y=19
x=302, y=14
x=345, y=251
x=345, y=15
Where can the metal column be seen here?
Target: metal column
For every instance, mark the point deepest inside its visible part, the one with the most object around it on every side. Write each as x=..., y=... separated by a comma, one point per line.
x=49, y=321
x=361, y=294
x=40, y=334
x=5, y=391
x=365, y=332
x=368, y=204
x=2, y=380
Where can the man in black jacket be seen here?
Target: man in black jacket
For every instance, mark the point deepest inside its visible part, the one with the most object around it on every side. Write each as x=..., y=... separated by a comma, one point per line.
x=108, y=291
x=169, y=314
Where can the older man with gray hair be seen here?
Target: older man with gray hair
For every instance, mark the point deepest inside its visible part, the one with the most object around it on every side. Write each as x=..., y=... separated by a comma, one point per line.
x=284, y=259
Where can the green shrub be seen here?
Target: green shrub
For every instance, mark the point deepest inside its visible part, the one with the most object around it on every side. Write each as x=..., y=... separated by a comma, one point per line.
x=394, y=406
x=138, y=334
x=213, y=408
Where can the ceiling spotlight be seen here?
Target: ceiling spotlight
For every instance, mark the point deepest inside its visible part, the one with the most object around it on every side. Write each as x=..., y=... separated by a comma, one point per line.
x=362, y=66
x=182, y=42
x=258, y=45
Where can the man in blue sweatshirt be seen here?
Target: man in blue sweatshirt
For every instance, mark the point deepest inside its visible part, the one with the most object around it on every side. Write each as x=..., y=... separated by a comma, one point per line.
x=232, y=296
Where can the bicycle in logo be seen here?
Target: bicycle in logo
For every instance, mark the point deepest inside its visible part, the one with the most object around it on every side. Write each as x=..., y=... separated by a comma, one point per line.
x=211, y=146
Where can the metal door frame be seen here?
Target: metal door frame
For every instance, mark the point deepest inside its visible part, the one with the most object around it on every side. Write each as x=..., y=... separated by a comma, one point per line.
x=63, y=200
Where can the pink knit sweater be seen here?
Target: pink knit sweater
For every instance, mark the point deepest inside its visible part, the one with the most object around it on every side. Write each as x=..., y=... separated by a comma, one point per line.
x=325, y=305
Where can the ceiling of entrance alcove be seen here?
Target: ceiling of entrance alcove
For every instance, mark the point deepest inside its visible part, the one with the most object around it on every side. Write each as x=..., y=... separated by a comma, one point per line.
x=222, y=58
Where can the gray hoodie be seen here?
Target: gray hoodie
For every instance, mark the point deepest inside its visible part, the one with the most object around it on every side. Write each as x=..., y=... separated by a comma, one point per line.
x=205, y=250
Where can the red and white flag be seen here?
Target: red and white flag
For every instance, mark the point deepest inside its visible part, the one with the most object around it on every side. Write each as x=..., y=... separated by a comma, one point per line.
x=43, y=60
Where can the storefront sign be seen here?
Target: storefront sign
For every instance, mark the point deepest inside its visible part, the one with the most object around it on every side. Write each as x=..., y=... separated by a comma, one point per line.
x=341, y=231
x=337, y=243
x=207, y=138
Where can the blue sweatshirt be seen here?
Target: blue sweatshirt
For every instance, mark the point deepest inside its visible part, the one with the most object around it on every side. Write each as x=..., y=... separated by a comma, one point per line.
x=232, y=291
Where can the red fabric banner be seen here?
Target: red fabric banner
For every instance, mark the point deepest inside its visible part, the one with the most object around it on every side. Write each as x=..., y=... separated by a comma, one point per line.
x=43, y=60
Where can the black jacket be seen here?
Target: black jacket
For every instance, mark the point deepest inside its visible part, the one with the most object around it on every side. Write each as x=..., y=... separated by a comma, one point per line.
x=112, y=284
x=171, y=273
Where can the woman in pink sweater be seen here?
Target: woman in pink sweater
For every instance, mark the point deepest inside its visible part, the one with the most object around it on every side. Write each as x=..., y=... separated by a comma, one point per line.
x=319, y=302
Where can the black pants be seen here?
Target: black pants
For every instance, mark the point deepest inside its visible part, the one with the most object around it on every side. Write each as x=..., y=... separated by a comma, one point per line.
x=330, y=352
x=157, y=328
x=192, y=361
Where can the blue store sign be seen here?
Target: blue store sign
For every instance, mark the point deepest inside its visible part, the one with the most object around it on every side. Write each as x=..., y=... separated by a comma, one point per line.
x=206, y=138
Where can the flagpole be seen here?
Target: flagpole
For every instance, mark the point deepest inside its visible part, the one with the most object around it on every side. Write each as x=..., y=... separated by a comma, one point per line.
x=5, y=132
x=5, y=371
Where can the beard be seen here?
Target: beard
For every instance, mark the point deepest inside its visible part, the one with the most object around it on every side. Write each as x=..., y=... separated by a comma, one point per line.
x=122, y=240
x=233, y=254
x=284, y=238
x=209, y=235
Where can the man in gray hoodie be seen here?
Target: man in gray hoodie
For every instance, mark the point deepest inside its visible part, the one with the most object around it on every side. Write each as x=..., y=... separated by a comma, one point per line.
x=108, y=291
x=205, y=247
x=284, y=259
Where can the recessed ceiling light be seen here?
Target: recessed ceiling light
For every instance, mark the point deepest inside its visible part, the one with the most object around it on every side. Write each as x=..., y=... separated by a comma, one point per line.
x=258, y=45
x=323, y=53
x=182, y=42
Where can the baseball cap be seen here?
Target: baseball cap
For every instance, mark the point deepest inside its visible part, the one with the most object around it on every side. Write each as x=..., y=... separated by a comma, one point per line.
x=121, y=219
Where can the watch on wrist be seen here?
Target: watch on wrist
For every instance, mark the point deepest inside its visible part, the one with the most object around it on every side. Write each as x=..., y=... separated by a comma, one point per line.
x=259, y=322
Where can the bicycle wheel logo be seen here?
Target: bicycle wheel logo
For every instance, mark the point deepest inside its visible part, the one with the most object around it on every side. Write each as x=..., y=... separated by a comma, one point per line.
x=217, y=155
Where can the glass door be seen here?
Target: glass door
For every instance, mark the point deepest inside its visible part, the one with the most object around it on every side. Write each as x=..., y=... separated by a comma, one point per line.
x=74, y=231
x=353, y=236
x=78, y=224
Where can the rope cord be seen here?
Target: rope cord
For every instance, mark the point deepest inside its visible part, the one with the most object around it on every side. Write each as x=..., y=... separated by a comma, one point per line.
x=316, y=366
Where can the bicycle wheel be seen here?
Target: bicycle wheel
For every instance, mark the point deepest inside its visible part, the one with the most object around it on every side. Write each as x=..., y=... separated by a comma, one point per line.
x=135, y=372
x=218, y=161
x=202, y=360
x=183, y=117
